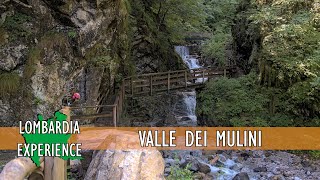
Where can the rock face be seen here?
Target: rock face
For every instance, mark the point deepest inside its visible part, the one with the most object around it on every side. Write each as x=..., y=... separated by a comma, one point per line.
x=135, y=164
x=51, y=44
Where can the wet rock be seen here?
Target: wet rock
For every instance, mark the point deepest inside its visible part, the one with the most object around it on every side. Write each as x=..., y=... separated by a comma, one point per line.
x=245, y=155
x=276, y=171
x=204, y=168
x=167, y=170
x=308, y=173
x=305, y=163
x=191, y=161
x=288, y=173
x=199, y=176
x=208, y=177
x=277, y=177
x=260, y=169
x=185, y=119
x=258, y=154
x=241, y=176
x=170, y=162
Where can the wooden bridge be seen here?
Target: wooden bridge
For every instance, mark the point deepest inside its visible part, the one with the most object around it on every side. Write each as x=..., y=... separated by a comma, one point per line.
x=146, y=84
x=54, y=168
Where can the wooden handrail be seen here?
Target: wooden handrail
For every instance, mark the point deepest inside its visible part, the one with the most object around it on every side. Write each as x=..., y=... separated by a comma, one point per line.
x=154, y=82
x=21, y=167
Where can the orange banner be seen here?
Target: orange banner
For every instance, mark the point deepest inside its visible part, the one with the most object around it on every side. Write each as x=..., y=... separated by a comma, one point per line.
x=183, y=138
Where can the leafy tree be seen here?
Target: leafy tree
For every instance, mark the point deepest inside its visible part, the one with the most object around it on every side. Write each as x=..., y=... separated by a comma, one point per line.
x=179, y=16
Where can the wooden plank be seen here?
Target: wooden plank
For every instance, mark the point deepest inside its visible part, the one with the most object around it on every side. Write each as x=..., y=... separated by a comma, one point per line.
x=131, y=87
x=89, y=107
x=56, y=168
x=165, y=82
x=186, y=78
x=48, y=165
x=92, y=116
x=168, y=82
x=202, y=77
x=151, y=85
x=114, y=116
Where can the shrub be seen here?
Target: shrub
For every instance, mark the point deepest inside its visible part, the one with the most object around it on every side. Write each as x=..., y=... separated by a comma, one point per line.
x=178, y=173
x=10, y=83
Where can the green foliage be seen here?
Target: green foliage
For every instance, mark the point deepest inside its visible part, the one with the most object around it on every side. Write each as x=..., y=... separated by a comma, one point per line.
x=31, y=65
x=98, y=55
x=243, y=102
x=233, y=102
x=16, y=25
x=178, y=173
x=72, y=34
x=10, y=83
x=37, y=101
x=179, y=16
x=216, y=45
x=220, y=15
x=290, y=53
x=313, y=154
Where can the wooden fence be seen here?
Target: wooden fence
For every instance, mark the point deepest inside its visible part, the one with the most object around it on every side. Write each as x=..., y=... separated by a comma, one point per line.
x=54, y=168
x=147, y=84
x=172, y=80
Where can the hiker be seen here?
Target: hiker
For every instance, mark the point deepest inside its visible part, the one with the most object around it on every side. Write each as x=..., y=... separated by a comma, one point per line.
x=75, y=97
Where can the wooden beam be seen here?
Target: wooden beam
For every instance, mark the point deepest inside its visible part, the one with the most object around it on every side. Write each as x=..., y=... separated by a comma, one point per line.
x=151, y=85
x=131, y=86
x=186, y=78
x=18, y=169
x=114, y=112
x=168, y=85
x=92, y=116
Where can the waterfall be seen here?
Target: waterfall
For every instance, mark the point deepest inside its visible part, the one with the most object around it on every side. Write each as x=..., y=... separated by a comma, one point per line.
x=191, y=61
x=186, y=115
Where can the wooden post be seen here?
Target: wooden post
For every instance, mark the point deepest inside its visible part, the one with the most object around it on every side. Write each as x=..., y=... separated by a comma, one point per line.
x=54, y=167
x=168, y=81
x=186, y=78
x=131, y=86
x=114, y=115
x=151, y=85
x=225, y=72
x=202, y=76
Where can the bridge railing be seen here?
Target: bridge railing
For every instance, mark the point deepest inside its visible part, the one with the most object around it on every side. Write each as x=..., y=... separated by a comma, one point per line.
x=166, y=81
x=147, y=84
x=91, y=113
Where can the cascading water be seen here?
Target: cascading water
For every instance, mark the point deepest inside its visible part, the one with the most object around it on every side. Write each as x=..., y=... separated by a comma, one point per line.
x=185, y=113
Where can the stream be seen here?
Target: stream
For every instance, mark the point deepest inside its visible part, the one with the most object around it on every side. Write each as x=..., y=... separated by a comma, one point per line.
x=186, y=116
x=226, y=165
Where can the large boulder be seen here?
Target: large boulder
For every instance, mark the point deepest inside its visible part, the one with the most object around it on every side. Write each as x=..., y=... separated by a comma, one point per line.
x=121, y=164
